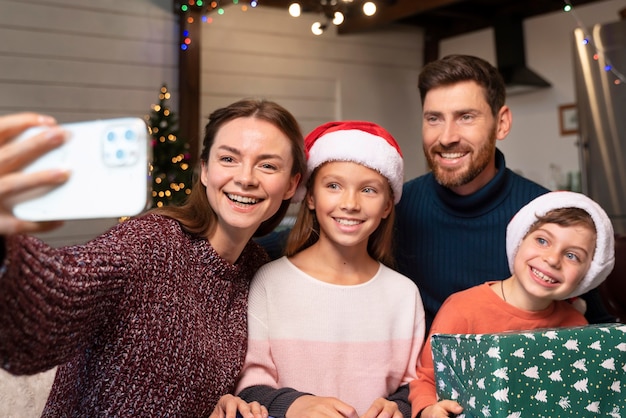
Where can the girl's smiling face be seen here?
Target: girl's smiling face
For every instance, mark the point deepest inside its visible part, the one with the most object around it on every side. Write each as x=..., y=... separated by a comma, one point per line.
x=349, y=201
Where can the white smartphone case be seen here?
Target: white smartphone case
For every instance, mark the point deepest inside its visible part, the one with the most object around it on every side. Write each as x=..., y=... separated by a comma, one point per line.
x=109, y=161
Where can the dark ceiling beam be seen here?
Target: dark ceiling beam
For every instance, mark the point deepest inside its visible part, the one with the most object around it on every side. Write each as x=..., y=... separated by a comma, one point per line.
x=189, y=81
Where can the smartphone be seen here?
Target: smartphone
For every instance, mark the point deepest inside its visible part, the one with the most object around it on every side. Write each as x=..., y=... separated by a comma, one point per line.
x=110, y=176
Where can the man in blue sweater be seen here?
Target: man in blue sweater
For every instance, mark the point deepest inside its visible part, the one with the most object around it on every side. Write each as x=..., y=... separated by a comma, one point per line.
x=452, y=221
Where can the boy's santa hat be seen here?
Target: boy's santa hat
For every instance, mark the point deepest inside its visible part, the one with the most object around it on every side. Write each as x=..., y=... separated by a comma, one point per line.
x=361, y=142
x=604, y=255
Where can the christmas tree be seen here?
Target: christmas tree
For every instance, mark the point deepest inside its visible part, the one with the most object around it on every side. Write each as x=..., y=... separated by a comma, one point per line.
x=171, y=172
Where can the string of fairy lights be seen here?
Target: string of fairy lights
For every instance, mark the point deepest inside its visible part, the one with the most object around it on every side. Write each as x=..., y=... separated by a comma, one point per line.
x=598, y=53
x=205, y=8
x=215, y=6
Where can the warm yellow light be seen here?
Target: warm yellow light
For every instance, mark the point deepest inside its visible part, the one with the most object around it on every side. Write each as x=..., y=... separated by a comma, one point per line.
x=338, y=19
x=317, y=28
x=295, y=9
x=369, y=8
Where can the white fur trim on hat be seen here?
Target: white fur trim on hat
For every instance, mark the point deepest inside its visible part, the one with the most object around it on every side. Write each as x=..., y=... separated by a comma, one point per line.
x=604, y=255
x=357, y=146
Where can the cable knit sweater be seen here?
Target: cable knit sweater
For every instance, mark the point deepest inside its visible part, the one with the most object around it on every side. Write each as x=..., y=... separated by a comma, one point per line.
x=144, y=320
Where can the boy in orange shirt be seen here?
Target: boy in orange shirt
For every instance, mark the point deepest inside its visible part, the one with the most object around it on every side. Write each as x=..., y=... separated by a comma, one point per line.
x=559, y=246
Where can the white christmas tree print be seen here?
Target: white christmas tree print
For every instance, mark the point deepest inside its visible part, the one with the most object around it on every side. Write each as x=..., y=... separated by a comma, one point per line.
x=564, y=403
x=442, y=384
x=472, y=362
x=551, y=335
x=581, y=385
x=530, y=336
x=472, y=402
x=571, y=345
x=463, y=365
x=502, y=373
x=514, y=415
x=541, y=396
x=615, y=413
x=519, y=353
x=486, y=411
x=481, y=383
x=616, y=386
x=580, y=364
x=532, y=372
x=455, y=395
x=556, y=376
x=502, y=395
x=453, y=355
x=494, y=352
x=593, y=407
x=609, y=364
x=440, y=366
x=621, y=346
x=548, y=354
x=596, y=346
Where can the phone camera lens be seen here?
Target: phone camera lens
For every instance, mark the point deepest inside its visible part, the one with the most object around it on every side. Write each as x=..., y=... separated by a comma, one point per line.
x=119, y=154
x=130, y=135
x=110, y=136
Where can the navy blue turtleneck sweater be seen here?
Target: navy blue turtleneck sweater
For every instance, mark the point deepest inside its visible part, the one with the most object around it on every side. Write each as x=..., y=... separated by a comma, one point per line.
x=447, y=242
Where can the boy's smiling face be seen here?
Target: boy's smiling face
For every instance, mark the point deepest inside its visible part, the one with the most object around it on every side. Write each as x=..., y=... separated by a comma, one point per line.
x=552, y=260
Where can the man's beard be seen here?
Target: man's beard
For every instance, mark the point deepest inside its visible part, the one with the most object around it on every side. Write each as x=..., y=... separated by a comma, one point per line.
x=464, y=175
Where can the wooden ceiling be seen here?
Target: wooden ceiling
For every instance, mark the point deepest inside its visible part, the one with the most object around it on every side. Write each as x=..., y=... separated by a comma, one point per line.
x=439, y=19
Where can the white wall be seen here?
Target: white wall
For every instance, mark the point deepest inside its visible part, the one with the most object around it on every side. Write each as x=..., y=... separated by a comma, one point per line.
x=79, y=59
x=83, y=59
x=535, y=143
x=265, y=52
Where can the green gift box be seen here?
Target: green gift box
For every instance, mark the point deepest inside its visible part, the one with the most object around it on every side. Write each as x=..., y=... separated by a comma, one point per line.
x=557, y=372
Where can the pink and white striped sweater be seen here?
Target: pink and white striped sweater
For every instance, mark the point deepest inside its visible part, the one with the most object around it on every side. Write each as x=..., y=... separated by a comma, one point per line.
x=356, y=343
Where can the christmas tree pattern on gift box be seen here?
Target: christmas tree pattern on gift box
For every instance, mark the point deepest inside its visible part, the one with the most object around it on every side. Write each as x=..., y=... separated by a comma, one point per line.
x=562, y=372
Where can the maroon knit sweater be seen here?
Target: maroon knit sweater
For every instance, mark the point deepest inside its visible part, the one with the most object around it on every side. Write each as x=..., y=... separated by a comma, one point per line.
x=145, y=320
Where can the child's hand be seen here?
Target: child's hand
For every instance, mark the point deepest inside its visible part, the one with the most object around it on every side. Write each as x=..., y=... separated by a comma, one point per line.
x=320, y=407
x=383, y=408
x=228, y=406
x=441, y=409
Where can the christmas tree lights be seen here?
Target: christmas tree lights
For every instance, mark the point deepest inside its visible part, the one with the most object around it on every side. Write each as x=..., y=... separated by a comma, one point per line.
x=171, y=172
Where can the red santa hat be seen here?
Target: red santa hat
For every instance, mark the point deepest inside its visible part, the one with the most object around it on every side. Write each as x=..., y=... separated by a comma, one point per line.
x=604, y=255
x=361, y=142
